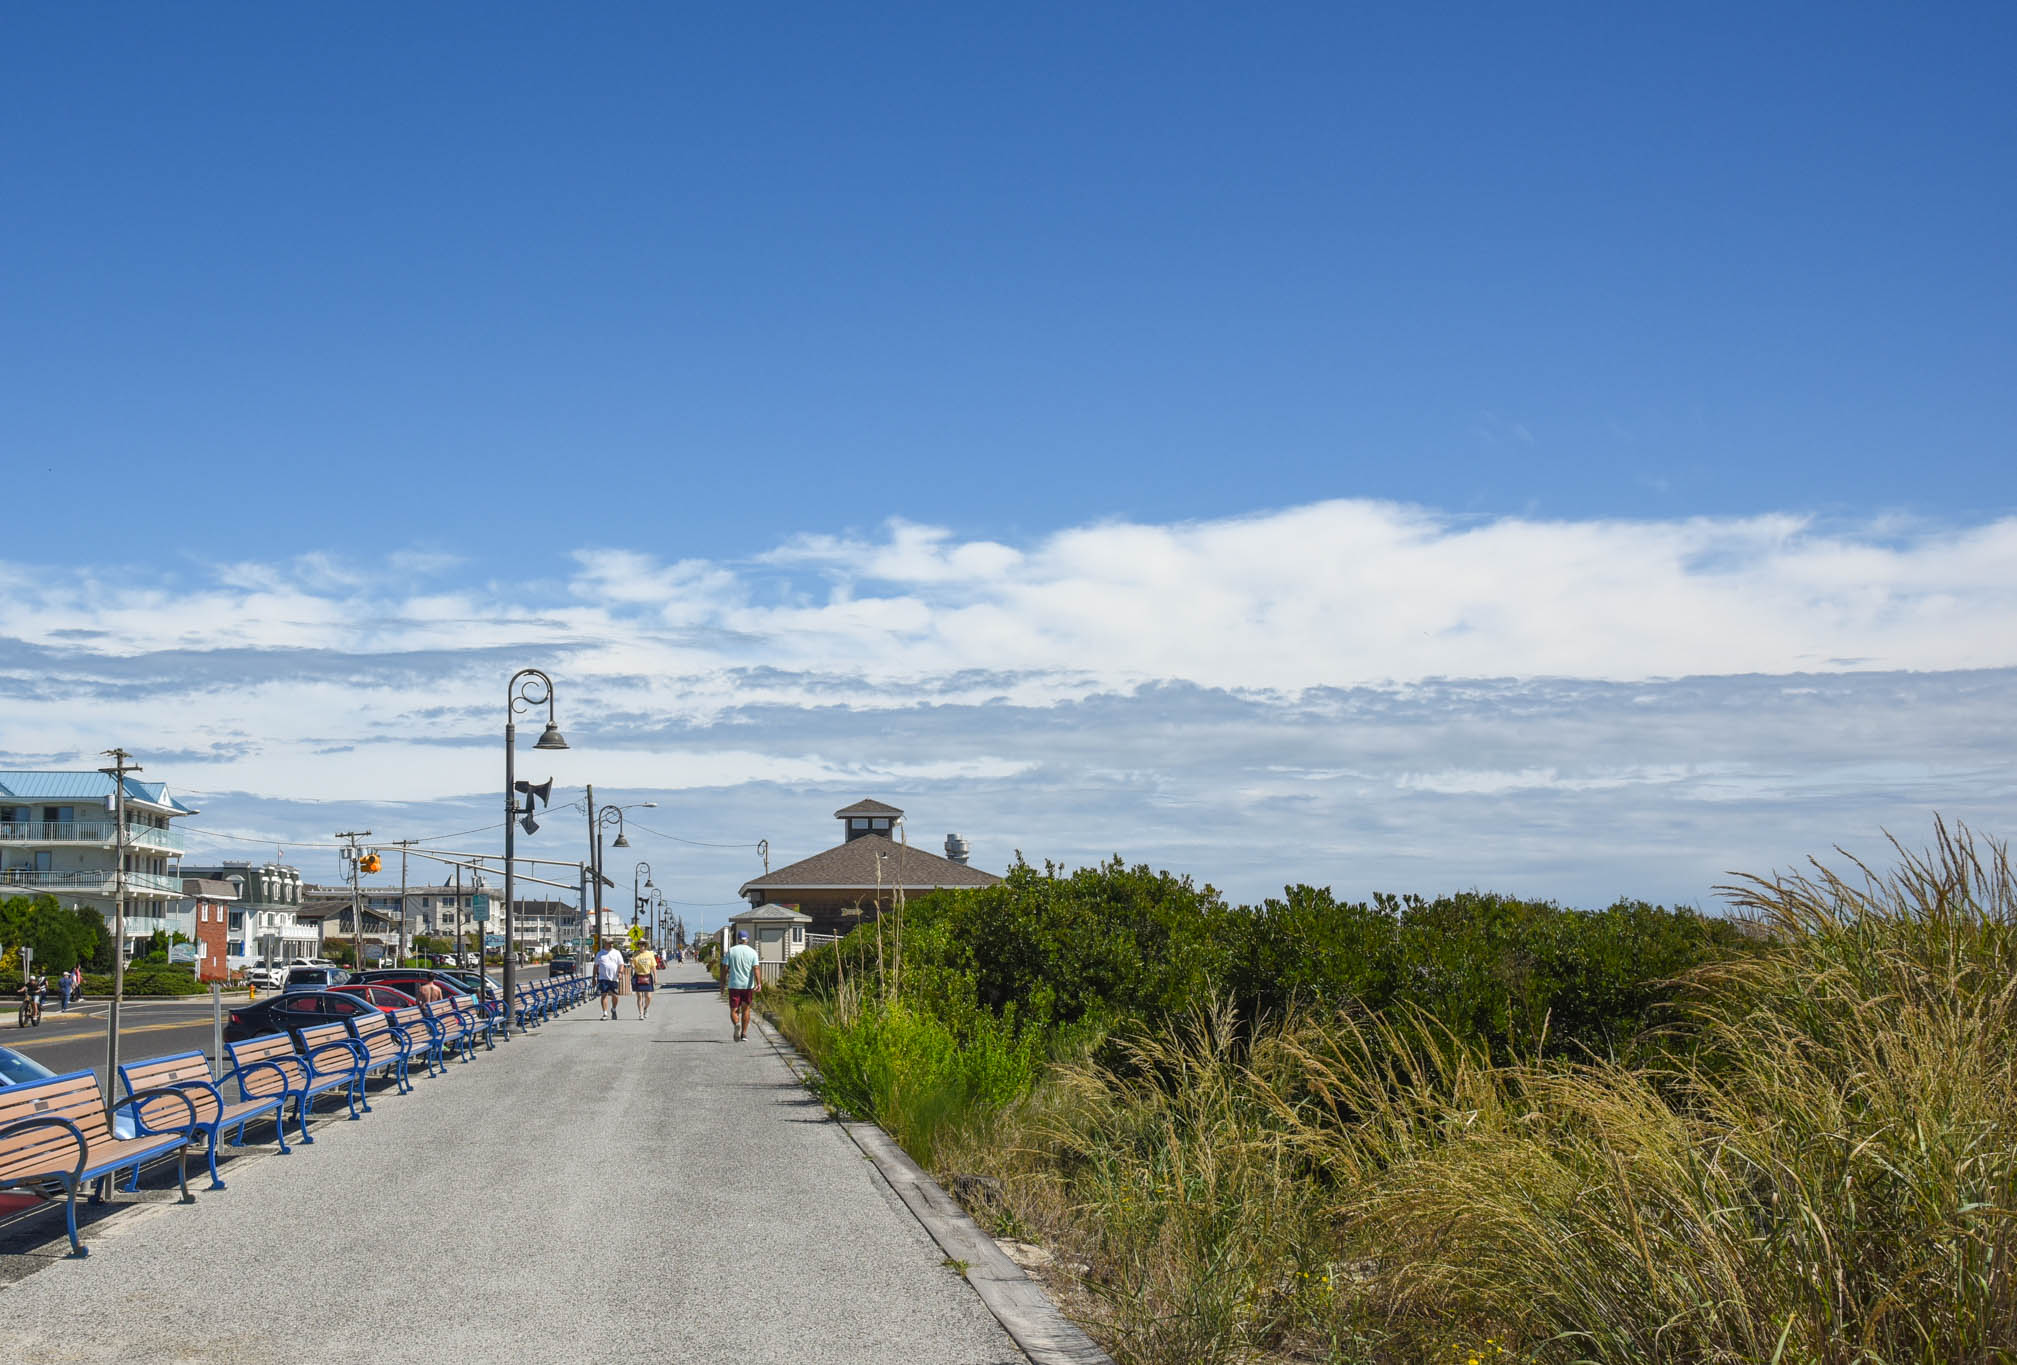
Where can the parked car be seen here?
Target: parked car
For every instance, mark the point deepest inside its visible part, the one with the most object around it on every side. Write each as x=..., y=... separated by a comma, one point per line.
x=266, y=978
x=19, y=1067
x=318, y=962
x=408, y=979
x=385, y=997
x=305, y=978
x=562, y=966
x=291, y=1013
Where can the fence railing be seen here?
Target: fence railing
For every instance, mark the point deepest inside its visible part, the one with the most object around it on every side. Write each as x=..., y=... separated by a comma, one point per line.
x=104, y=833
x=89, y=882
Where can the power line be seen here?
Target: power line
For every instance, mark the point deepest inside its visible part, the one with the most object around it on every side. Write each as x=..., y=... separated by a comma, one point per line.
x=310, y=843
x=676, y=838
x=697, y=843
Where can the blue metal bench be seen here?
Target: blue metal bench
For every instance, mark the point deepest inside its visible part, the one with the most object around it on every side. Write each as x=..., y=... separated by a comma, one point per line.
x=259, y=1065
x=383, y=1049
x=484, y=1020
x=188, y=1074
x=458, y=1030
x=335, y=1061
x=56, y=1132
x=422, y=1036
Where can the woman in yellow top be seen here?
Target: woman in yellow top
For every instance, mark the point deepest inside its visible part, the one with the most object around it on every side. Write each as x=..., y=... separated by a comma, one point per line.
x=643, y=979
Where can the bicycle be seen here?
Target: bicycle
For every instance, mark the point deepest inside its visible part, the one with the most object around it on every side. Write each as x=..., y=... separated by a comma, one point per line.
x=30, y=1013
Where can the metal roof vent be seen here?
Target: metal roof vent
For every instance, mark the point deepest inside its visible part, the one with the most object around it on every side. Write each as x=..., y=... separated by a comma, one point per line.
x=957, y=848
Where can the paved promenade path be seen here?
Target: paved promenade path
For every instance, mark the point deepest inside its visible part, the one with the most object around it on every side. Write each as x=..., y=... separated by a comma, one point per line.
x=589, y=1191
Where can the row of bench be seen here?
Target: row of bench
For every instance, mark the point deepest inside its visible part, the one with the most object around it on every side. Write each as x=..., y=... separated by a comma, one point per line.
x=57, y=1134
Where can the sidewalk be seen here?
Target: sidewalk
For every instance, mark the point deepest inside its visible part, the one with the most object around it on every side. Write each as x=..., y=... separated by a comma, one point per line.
x=590, y=1191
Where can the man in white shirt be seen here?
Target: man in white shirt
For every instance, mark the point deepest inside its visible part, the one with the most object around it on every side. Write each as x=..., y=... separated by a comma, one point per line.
x=741, y=977
x=608, y=970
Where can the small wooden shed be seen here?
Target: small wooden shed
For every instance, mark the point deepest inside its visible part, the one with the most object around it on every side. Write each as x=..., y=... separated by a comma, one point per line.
x=777, y=932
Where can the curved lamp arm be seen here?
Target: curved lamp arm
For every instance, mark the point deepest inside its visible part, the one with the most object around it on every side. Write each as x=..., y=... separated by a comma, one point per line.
x=529, y=688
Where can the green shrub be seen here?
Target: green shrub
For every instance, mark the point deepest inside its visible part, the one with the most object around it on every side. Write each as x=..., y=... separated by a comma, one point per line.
x=906, y=1070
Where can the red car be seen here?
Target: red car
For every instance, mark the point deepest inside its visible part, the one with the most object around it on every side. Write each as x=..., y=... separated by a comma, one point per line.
x=386, y=998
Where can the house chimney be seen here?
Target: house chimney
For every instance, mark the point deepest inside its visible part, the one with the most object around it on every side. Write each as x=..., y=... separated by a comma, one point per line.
x=957, y=848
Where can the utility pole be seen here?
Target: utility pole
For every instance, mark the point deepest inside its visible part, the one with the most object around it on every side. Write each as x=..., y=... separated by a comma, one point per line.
x=458, y=918
x=404, y=844
x=353, y=854
x=117, y=772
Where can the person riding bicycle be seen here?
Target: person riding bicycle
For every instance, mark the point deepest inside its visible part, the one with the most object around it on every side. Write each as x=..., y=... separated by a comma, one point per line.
x=32, y=991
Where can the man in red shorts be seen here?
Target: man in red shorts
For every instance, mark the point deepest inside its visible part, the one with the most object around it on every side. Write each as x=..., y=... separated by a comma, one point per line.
x=740, y=975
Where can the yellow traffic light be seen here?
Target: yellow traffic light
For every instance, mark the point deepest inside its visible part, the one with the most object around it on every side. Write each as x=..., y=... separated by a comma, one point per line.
x=370, y=862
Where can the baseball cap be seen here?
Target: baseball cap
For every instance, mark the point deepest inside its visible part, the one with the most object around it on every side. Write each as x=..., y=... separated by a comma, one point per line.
x=742, y=936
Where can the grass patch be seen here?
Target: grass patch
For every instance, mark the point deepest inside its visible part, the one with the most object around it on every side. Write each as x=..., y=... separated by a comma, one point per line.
x=1812, y=1159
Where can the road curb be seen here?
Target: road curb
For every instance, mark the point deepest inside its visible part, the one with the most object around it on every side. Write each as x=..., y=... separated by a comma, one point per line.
x=1019, y=1303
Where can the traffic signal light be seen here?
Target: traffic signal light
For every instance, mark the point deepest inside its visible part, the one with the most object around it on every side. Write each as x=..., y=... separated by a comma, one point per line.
x=369, y=862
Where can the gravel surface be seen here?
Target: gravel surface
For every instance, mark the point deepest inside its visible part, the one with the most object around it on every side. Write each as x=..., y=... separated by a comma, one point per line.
x=589, y=1191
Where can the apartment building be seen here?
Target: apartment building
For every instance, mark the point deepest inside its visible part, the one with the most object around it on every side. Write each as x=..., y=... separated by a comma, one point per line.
x=266, y=924
x=60, y=836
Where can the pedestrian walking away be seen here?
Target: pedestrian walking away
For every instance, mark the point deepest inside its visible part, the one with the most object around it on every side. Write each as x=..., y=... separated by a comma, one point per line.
x=643, y=979
x=608, y=971
x=740, y=974
x=63, y=991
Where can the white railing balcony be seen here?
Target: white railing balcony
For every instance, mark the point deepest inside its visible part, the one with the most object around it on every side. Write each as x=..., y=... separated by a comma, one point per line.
x=87, y=882
x=96, y=833
x=149, y=836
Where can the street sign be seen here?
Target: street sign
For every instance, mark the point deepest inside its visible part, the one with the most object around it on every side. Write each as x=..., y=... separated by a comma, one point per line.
x=181, y=952
x=493, y=940
x=479, y=908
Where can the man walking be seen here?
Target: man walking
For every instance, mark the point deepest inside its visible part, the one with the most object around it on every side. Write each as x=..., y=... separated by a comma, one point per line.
x=608, y=971
x=643, y=979
x=739, y=974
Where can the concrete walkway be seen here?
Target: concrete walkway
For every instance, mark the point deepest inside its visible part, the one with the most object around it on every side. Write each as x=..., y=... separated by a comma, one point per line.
x=590, y=1191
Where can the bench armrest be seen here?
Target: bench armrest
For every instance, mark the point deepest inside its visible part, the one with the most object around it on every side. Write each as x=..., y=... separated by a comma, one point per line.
x=19, y=1126
x=162, y=1092
x=287, y=1082
x=345, y=1045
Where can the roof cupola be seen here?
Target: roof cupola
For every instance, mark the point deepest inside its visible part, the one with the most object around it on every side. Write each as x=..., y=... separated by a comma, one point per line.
x=867, y=817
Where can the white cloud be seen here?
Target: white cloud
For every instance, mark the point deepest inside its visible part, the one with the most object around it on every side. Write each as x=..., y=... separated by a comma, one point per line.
x=1095, y=688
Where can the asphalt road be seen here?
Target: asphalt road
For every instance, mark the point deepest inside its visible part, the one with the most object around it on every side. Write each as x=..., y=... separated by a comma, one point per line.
x=75, y=1041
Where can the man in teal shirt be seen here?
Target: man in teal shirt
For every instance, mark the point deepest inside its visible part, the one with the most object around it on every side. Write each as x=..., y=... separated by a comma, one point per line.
x=739, y=974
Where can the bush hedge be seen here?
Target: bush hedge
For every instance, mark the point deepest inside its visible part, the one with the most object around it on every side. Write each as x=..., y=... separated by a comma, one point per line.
x=1116, y=947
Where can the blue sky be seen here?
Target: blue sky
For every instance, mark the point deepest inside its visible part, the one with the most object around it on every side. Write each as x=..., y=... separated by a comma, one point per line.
x=795, y=373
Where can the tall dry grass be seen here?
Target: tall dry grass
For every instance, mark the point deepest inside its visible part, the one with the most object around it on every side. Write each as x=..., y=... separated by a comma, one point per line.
x=1824, y=1173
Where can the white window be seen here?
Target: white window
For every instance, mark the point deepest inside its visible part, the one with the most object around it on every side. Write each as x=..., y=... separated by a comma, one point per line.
x=798, y=933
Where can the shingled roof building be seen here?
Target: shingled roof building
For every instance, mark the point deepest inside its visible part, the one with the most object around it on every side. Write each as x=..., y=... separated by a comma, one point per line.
x=857, y=877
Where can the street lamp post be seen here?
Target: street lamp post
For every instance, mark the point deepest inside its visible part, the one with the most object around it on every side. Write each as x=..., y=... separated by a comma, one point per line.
x=597, y=822
x=528, y=688
x=637, y=898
